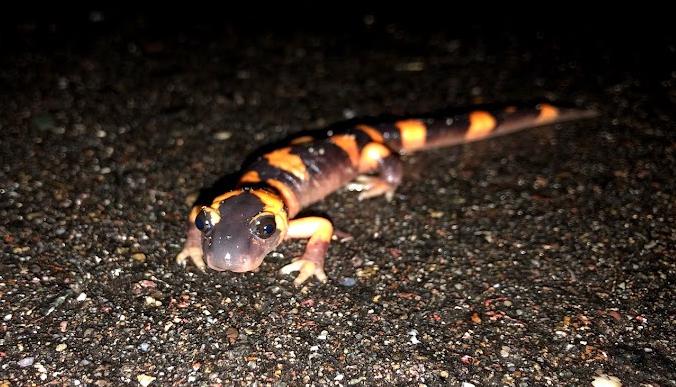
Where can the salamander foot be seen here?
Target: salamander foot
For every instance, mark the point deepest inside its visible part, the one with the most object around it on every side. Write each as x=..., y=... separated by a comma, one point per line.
x=306, y=269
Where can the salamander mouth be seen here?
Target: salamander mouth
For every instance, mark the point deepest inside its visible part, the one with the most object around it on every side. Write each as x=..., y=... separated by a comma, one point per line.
x=227, y=263
x=218, y=264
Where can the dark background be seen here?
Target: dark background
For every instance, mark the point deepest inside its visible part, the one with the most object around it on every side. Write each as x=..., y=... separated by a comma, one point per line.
x=544, y=257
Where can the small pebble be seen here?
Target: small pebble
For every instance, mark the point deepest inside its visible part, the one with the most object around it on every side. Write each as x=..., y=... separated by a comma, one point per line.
x=322, y=335
x=139, y=257
x=504, y=351
x=606, y=381
x=222, y=136
x=26, y=362
x=348, y=282
x=144, y=347
x=61, y=347
x=82, y=297
x=8, y=317
x=145, y=380
x=349, y=114
x=414, y=336
x=467, y=384
x=232, y=334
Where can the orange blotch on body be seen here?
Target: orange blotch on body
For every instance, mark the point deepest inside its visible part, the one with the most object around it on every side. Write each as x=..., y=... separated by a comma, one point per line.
x=287, y=161
x=481, y=124
x=347, y=143
x=413, y=134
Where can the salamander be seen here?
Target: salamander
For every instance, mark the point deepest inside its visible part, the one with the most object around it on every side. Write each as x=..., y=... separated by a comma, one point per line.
x=242, y=225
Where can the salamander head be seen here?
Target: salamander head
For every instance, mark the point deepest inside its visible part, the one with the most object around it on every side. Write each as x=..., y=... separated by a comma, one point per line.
x=240, y=228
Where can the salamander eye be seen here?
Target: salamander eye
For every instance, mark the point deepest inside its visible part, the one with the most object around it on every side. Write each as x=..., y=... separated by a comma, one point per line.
x=264, y=226
x=202, y=222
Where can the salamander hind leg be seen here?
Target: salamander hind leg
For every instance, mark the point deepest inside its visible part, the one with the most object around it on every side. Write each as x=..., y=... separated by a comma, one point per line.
x=378, y=158
x=311, y=263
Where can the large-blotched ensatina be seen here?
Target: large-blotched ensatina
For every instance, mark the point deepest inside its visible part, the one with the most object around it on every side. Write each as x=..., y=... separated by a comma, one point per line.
x=243, y=225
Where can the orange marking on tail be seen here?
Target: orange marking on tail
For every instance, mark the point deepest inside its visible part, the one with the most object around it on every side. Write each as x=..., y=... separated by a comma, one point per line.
x=510, y=109
x=347, y=143
x=413, y=133
x=547, y=113
x=481, y=124
x=372, y=132
x=287, y=161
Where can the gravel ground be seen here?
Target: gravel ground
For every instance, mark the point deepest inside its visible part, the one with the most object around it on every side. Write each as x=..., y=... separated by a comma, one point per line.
x=541, y=258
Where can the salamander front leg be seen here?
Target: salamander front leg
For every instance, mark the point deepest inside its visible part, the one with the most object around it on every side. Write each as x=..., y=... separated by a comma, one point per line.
x=379, y=158
x=319, y=230
x=193, y=245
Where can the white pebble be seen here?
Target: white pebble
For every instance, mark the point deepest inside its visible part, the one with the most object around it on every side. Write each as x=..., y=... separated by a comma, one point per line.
x=61, y=347
x=82, y=297
x=8, y=317
x=26, y=362
x=41, y=369
x=606, y=381
x=322, y=335
x=145, y=380
x=414, y=336
x=349, y=113
x=222, y=136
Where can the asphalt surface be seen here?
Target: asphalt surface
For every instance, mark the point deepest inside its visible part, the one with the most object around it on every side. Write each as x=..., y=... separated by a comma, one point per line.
x=541, y=258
